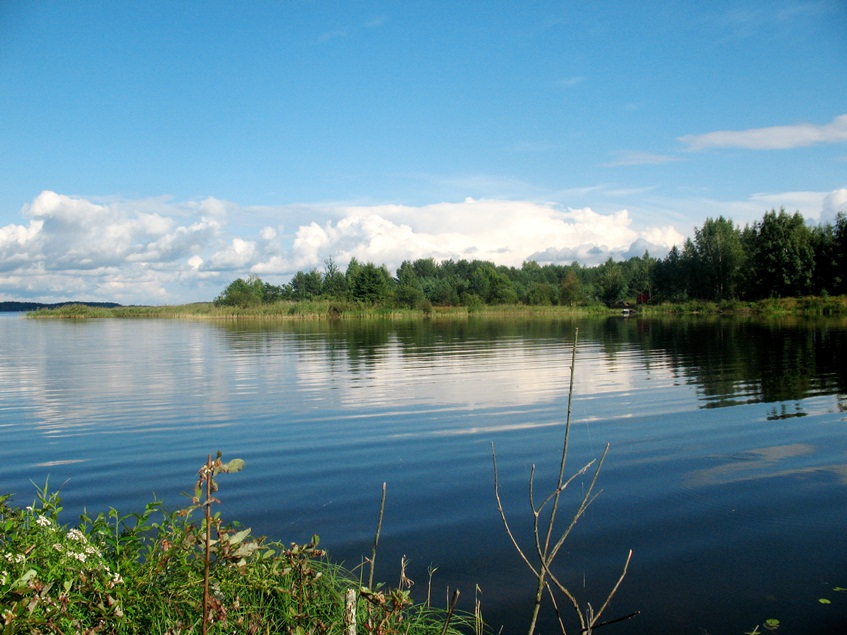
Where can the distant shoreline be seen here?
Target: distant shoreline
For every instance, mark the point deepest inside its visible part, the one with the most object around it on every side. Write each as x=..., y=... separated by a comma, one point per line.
x=17, y=307
x=318, y=310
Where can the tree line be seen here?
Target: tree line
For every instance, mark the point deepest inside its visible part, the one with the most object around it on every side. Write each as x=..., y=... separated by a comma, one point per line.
x=777, y=256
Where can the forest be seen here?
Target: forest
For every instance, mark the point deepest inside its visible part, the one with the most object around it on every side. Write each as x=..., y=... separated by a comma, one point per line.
x=778, y=256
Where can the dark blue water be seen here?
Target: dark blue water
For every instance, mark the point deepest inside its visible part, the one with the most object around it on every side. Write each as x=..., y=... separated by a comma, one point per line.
x=726, y=475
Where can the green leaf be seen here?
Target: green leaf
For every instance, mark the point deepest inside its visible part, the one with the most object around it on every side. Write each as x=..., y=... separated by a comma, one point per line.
x=23, y=581
x=824, y=601
x=239, y=537
x=236, y=465
x=245, y=550
x=839, y=588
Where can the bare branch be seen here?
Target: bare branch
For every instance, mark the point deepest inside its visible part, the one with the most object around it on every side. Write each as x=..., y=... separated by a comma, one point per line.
x=614, y=589
x=503, y=514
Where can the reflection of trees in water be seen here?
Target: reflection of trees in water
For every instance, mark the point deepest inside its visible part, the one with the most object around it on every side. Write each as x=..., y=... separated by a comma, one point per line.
x=733, y=361
x=784, y=413
x=745, y=361
x=357, y=343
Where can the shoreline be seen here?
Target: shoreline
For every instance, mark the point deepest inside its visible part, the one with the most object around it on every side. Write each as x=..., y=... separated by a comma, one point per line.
x=811, y=306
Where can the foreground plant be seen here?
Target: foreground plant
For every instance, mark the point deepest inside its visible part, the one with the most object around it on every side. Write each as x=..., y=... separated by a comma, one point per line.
x=547, y=546
x=160, y=572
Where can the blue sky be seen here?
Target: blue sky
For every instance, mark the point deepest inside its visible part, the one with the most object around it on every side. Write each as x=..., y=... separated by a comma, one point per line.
x=151, y=152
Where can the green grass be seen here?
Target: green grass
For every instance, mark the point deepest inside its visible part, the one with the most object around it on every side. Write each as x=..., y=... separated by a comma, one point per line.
x=311, y=310
x=335, y=309
x=805, y=306
x=143, y=573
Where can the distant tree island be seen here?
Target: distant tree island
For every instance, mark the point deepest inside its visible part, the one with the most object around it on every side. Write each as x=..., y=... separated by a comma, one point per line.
x=12, y=306
x=780, y=256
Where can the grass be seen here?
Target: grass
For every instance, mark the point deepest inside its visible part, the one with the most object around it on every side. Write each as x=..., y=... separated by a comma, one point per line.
x=808, y=306
x=145, y=573
x=307, y=310
x=333, y=309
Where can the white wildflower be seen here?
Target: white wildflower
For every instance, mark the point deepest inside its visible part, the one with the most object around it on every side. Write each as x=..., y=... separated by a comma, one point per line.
x=76, y=534
x=43, y=521
x=116, y=579
x=19, y=558
x=91, y=551
x=79, y=556
x=58, y=547
x=4, y=576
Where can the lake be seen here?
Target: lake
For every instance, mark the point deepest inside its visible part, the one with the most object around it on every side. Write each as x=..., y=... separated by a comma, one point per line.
x=726, y=474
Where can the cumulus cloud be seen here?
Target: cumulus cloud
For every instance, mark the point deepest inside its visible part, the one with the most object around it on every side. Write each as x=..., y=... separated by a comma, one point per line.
x=119, y=251
x=834, y=202
x=162, y=251
x=773, y=137
x=505, y=232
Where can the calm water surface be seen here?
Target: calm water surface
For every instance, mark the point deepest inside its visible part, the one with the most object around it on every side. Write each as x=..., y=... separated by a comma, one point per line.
x=727, y=473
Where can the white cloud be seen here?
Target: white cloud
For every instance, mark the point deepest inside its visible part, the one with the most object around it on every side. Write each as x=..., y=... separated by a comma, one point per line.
x=176, y=244
x=17, y=243
x=809, y=204
x=834, y=202
x=772, y=138
x=814, y=206
x=119, y=251
x=239, y=254
x=505, y=232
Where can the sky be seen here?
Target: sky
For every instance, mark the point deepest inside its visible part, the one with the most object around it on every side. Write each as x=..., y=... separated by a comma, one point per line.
x=152, y=152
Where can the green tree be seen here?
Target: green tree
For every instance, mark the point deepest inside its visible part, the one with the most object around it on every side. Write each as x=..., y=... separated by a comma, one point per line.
x=493, y=286
x=334, y=283
x=827, y=272
x=409, y=292
x=541, y=293
x=271, y=292
x=297, y=286
x=242, y=293
x=425, y=268
x=840, y=282
x=670, y=280
x=641, y=273
x=782, y=259
x=370, y=283
x=305, y=286
x=353, y=269
x=442, y=291
x=611, y=283
x=718, y=260
x=480, y=280
x=572, y=291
